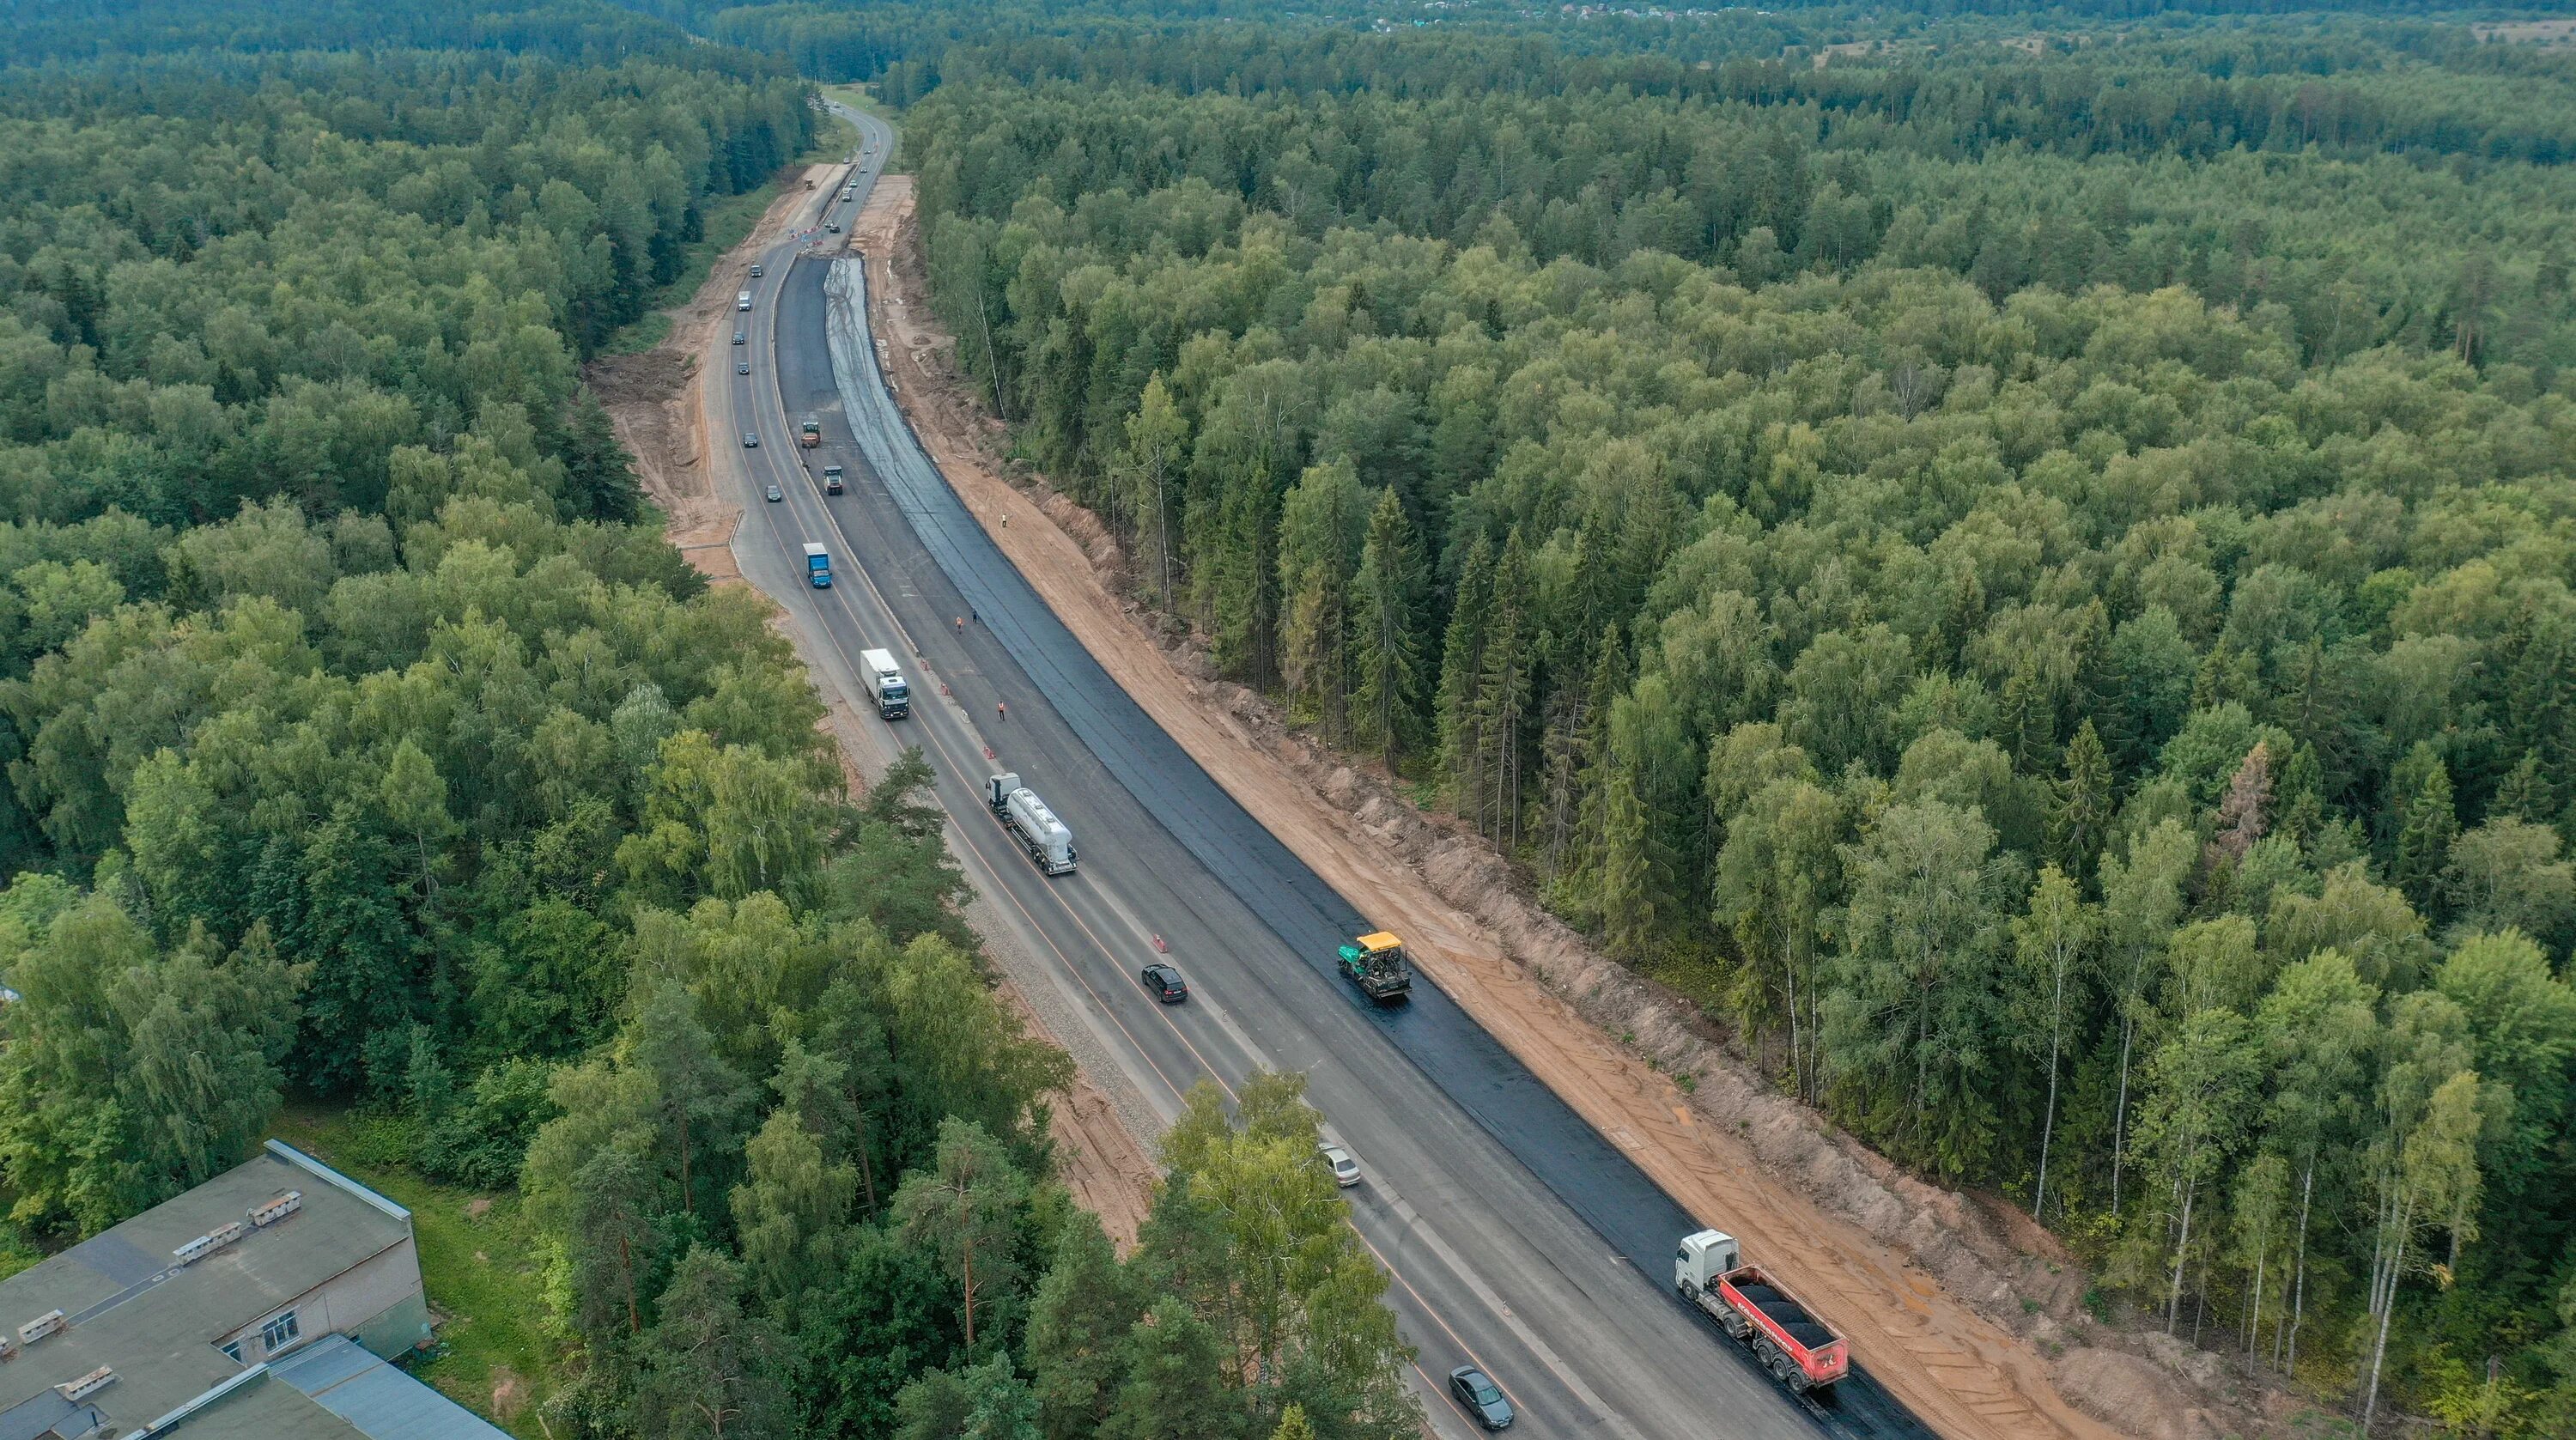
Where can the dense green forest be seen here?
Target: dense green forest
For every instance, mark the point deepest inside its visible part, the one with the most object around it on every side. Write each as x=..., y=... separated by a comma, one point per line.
x=2031, y=580
x=365, y=744
x=2036, y=587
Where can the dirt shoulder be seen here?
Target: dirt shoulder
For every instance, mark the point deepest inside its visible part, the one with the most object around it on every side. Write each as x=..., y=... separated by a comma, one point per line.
x=1972, y=1320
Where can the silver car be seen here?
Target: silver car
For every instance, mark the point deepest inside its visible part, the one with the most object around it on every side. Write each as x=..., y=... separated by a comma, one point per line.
x=1346, y=1171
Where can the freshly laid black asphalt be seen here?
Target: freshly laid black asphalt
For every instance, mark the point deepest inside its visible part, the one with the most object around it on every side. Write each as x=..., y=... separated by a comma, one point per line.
x=1163, y=838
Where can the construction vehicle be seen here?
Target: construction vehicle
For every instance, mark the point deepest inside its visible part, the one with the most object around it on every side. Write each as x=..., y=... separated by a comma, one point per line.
x=885, y=684
x=1047, y=839
x=831, y=479
x=1376, y=963
x=818, y=566
x=809, y=432
x=1801, y=1351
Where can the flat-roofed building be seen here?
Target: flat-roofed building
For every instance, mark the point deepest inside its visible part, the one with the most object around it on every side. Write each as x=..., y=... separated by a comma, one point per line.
x=264, y=1303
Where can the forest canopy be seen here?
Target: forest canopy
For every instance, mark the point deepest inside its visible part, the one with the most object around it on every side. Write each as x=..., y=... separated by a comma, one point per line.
x=2035, y=585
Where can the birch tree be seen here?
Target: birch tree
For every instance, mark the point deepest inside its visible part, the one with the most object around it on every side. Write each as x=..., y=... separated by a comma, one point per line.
x=2320, y=1026
x=1775, y=877
x=2193, y=1115
x=2052, y=944
x=2141, y=898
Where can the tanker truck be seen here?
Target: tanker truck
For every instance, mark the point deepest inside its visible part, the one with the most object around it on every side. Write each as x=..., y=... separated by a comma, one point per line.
x=1758, y=1312
x=1021, y=812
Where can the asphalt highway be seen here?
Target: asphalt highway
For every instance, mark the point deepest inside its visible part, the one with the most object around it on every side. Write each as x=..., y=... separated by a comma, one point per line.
x=1516, y=1237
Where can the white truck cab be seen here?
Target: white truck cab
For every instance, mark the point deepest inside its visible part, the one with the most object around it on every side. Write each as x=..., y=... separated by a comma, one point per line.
x=885, y=684
x=1703, y=1258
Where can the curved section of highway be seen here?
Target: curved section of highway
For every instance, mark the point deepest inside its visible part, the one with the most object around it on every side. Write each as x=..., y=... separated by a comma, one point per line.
x=1517, y=1238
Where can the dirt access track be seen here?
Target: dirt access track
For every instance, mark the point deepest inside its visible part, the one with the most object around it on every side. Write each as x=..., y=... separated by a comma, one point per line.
x=1868, y=1246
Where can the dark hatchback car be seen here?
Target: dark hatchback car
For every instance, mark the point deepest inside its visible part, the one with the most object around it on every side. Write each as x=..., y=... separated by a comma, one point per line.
x=1166, y=983
x=1482, y=1397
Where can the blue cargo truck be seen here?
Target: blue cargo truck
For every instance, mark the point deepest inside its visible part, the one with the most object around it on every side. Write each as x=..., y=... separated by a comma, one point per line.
x=818, y=567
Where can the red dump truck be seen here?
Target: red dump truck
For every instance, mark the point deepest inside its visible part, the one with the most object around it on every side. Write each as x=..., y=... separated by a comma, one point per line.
x=1799, y=1349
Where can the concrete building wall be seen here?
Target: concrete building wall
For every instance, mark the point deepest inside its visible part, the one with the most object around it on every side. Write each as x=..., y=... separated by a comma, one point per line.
x=377, y=1302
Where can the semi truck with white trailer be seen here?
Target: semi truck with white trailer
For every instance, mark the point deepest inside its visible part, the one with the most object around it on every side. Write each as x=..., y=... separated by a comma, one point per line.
x=1048, y=840
x=1750, y=1305
x=885, y=684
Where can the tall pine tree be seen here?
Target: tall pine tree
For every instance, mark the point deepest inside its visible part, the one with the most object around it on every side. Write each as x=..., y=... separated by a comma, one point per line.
x=1462, y=668
x=1502, y=697
x=1386, y=640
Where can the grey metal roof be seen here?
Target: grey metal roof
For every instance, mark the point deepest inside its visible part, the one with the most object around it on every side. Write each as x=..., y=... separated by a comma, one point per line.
x=381, y=1401
x=263, y=1408
x=39, y=1415
x=135, y=1309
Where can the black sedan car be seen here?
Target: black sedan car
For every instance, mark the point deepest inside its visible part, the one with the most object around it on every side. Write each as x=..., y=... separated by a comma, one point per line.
x=750, y=441
x=1166, y=983
x=1482, y=1397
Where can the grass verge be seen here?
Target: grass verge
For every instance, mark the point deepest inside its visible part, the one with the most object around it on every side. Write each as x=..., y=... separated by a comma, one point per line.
x=858, y=97
x=477, y=1259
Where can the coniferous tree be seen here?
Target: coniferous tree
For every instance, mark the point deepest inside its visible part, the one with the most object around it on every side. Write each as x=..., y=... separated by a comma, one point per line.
x=2026, y=721
x=1627, y=875
x=1601, y=692
x=1386, y=604
x=599, y=479
x=1175, y=1387
x=1078, y=1331
x=1462, y=669
x=2426, y=825
x=698, y=1099
x=1151, y=462
x=2079, y=820
x=709, y=1369
x=1501, y=702
x=964, y=1206
x=1321, y=529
